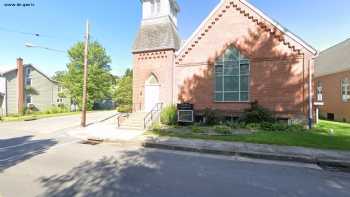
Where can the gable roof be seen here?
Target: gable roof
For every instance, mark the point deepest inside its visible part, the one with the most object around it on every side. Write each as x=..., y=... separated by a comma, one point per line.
x=256, y=12
x=334, y=59
x=14, y=68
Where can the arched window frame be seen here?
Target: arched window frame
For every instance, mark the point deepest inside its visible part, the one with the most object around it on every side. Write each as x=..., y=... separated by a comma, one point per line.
x=149, y=80
x=234, y=66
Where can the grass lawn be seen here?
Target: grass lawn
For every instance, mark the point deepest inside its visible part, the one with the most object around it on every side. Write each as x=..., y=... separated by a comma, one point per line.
x=319, y=137
x=35, y=116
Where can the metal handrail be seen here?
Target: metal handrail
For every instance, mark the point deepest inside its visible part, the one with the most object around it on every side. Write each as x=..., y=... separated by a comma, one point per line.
x=152, y=115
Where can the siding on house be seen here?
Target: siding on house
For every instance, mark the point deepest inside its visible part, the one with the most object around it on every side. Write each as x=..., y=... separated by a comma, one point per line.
x=45, y=93
x=11, y=78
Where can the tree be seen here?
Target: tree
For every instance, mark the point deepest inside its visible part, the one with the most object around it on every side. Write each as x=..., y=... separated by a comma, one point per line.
x=100, y=80
x=59, y=76
x=123, y=93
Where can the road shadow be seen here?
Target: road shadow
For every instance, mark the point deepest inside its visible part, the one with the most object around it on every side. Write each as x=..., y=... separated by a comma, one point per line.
x=146, y=172
x=107, y=177
x=19, y=149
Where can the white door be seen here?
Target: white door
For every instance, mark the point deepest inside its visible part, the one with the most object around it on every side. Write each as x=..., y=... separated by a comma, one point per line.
x=151, y=97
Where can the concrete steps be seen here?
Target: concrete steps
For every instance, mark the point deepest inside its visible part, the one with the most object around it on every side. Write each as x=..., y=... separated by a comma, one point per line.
x=135, y=121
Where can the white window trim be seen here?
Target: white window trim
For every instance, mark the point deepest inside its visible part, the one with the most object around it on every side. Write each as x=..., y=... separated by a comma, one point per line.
x=31, y=81
x=239, y=81
x=345, y=82
x=318, y=93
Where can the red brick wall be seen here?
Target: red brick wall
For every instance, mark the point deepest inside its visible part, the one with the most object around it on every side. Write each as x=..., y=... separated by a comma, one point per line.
x=332, y=99
x=159, y=63
x=279, y=74
x=20, y=85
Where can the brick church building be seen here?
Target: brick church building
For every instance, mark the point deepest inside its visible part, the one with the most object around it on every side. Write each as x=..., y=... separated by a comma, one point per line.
x=238, y=55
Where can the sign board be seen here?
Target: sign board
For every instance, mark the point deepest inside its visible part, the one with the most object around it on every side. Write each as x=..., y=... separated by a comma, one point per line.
x=185, y=106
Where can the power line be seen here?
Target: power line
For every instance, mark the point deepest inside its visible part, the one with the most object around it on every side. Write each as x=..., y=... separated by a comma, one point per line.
x=37, y=34
x=19, y=32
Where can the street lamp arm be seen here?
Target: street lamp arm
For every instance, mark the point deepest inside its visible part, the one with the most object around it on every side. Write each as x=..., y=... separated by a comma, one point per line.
x=29, y=45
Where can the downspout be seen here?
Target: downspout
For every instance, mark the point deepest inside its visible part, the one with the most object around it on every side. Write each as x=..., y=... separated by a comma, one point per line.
x=173, y=79
x=310, y=121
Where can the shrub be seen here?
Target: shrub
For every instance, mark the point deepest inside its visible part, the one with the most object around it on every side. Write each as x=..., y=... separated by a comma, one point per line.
x=252, y=126
x=56, y=110
x=212, y=117
x=257, y=114
x=156, y=128
x=169, y=115
x=296, y=128
x=196, y=129
x=222, y=129
x=124, y=108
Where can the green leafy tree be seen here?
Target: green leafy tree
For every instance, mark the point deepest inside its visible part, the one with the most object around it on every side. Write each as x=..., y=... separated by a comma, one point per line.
x=100, y=80
x=59, y=76
x=123, y=92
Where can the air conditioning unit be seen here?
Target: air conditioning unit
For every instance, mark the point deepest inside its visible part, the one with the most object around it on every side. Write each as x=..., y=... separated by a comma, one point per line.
x=185, y=116
x=185, y=113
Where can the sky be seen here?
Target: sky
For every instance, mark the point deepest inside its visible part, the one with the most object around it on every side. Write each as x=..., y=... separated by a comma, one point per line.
x=114, y=23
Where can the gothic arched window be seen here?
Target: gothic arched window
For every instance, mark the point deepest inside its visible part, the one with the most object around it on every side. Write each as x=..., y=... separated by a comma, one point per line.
x=232, y=71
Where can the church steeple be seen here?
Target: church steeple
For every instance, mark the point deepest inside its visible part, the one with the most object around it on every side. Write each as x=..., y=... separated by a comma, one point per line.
x=158, y=29
x=156, y=9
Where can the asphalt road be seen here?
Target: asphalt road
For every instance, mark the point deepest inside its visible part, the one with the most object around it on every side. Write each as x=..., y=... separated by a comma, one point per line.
x=52, y=164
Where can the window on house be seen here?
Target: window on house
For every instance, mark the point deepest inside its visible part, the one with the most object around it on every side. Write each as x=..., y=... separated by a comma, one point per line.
x=345, y=86
x=155, y=7
x=59, y=100
x=28, y=81
x=319, y=91
x=60, y=89
x=28, y=72
x=232, y=77
x=28, y=99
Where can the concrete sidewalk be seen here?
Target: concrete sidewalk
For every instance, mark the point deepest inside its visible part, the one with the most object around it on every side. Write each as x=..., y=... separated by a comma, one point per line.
x=105, y=131
x=339, y=159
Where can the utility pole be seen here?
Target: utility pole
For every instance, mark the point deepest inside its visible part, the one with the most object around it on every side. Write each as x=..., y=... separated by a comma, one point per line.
x=83, y=111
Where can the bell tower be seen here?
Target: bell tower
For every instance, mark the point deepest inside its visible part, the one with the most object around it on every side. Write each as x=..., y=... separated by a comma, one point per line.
x=154, y=53
x=155, y=9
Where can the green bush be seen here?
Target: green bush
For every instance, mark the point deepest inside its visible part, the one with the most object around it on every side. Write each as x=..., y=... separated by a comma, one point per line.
x=124, y=108
x=169, y=115
x=56, y=110
x=296, y=128
x=196, y=129
x=222, y=129
x=212, y=117
x=156, y=128
x=257, y=114
x=252, y=126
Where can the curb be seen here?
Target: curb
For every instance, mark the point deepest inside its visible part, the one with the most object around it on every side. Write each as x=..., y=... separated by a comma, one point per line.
x=323, y=163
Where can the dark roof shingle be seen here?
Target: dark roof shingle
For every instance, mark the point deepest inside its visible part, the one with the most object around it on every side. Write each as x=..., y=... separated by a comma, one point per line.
x=157, y=36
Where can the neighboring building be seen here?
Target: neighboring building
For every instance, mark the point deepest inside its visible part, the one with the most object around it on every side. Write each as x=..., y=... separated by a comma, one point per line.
x=25, y=86
x=236, y=56
x=332, y=79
